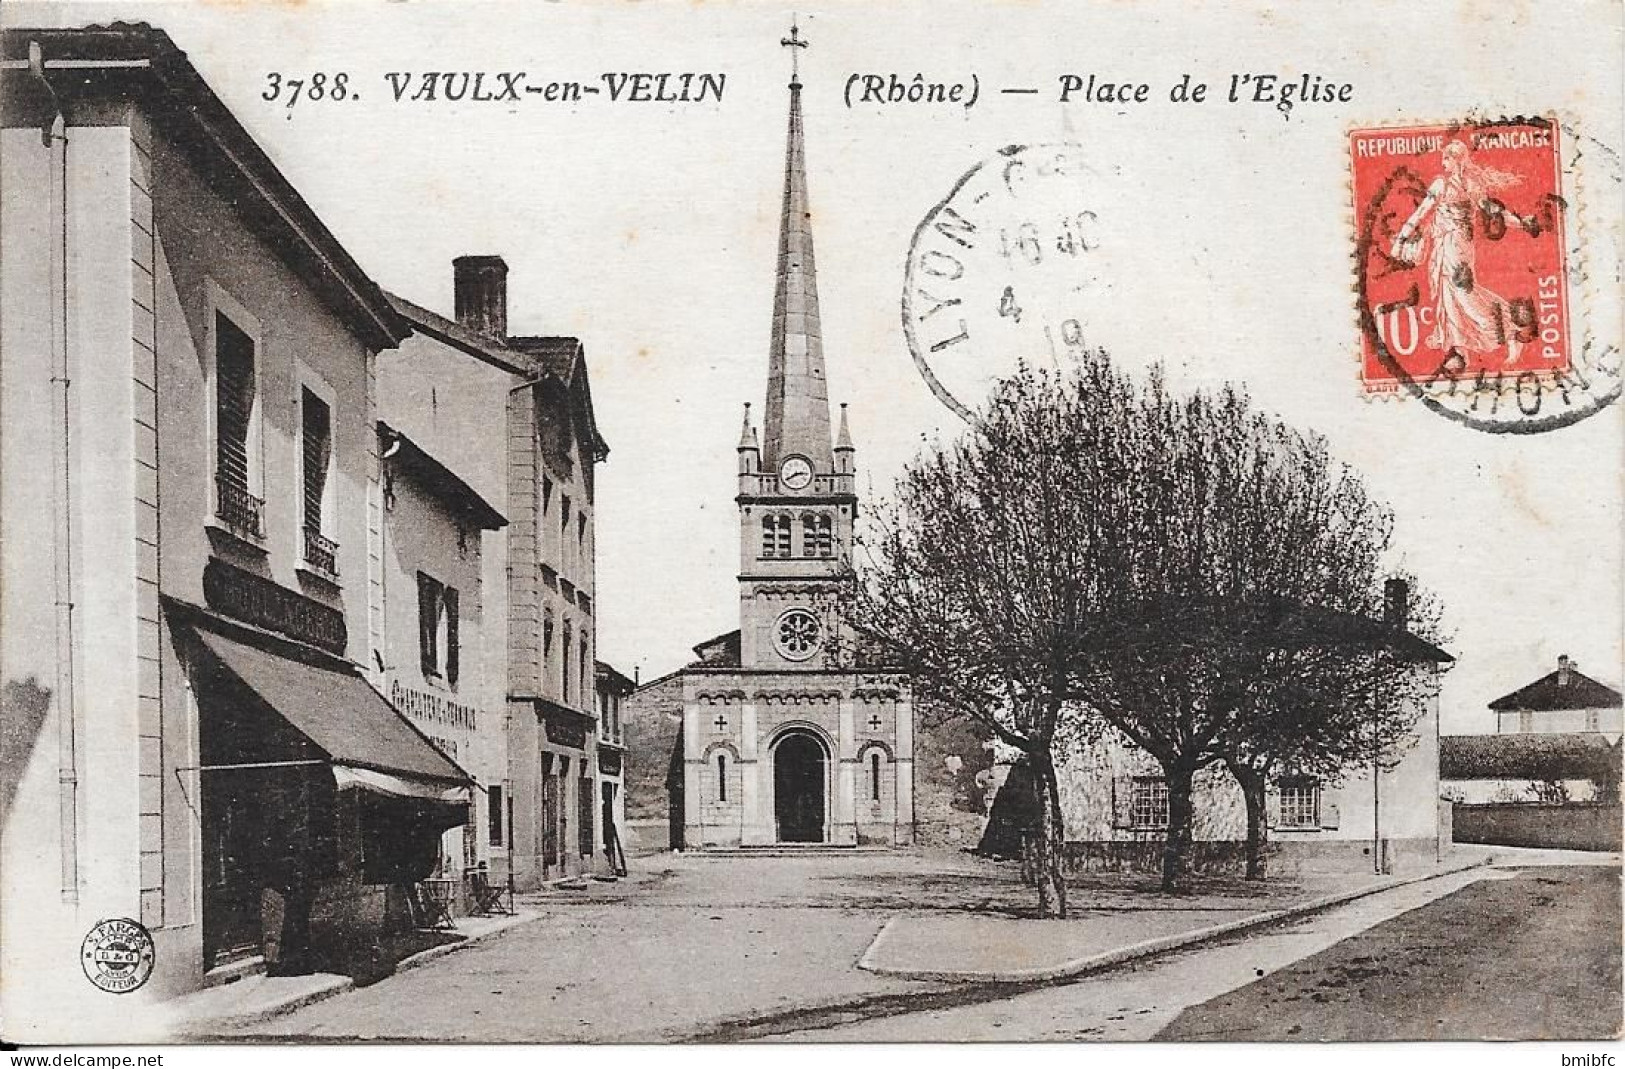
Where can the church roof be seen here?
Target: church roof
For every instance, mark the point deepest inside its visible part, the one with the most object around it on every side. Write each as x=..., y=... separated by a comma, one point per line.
x=723, y=651
x=797, y=419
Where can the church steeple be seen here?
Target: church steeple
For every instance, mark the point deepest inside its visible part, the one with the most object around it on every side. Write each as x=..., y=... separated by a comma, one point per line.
x=797, y=421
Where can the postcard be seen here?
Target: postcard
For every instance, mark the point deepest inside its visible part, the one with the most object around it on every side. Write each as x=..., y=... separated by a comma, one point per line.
x=472, y=574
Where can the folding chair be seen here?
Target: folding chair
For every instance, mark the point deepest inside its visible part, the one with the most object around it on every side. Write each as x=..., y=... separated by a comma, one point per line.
x=431, y=904
x=487, y=898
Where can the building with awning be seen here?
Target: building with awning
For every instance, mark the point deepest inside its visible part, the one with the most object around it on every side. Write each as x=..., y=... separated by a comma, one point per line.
x=445, y=391
x=369, y=744
x=336, y=800
x=193, y=606
x=442, y=666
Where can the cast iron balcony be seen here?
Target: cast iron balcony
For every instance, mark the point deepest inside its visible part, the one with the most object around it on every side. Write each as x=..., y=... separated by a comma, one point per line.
x=238, y=509
x=322, y=554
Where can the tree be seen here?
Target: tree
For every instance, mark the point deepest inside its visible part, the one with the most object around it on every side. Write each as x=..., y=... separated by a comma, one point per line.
x=1096, y=551
x=985, y=577
x=1251, y=624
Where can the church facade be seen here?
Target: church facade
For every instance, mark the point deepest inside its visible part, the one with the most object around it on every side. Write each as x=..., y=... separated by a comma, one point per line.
x=784, y=738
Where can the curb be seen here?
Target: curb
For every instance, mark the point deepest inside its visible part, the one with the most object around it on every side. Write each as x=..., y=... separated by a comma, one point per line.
x=340, y=985
x=1145, y=948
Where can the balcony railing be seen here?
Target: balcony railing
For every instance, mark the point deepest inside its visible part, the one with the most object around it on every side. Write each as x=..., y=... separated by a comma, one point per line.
x=238, y=509
x=321, y=553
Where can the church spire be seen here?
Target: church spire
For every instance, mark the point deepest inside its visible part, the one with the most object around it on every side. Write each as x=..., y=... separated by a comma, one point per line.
x=797, y=420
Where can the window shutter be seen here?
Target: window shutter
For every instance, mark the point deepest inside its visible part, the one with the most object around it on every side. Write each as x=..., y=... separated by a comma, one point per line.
x=1272, y=807
x=451, y=635
x=318, y=434
x=1122, y=801
x=1329, y=797
x=494, y=796
x=234, y=401
x=428, y=611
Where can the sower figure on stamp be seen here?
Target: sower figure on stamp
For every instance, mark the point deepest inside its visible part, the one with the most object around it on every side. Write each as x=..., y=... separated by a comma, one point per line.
x=1467, y=317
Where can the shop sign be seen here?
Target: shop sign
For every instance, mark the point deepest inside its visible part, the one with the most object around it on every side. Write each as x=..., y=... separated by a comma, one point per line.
x=256, y=600
x=609, y=762
x=430, y=708
x=571, y=733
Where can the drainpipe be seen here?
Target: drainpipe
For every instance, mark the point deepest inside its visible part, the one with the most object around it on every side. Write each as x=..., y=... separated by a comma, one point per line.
x=55, y=138
x=1376, y=813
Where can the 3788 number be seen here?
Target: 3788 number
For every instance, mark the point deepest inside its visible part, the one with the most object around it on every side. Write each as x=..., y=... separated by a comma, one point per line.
x=315, y=87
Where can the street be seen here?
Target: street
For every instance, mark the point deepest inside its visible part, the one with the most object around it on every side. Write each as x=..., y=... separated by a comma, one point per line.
x=728, y=949
x=1532, y=956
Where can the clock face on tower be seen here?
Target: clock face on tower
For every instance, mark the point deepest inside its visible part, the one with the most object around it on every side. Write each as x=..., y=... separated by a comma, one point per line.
x=795, y=473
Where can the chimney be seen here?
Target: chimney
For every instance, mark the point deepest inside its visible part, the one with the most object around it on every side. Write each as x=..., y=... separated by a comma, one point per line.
x=480, y=286
x=1564, y=666
x=1396, y=604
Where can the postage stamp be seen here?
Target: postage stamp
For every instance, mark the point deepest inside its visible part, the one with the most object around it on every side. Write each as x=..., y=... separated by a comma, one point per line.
x=1465, y=270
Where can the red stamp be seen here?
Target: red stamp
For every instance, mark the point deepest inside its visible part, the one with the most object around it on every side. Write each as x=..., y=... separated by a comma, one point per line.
x=1463, y=273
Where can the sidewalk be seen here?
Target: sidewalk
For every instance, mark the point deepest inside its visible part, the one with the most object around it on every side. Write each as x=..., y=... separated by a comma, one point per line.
x=981, y=948
x=231, y=1007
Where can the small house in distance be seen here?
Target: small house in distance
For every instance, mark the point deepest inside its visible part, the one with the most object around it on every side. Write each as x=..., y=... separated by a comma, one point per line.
x=1556, y=740
x=1561, y=701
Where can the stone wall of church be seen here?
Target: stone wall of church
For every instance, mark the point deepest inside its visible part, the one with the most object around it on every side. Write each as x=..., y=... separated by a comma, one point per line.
x=652, y=718
x=954, y=778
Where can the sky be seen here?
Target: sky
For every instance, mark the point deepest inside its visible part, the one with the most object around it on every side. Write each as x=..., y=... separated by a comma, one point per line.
x=648, y=230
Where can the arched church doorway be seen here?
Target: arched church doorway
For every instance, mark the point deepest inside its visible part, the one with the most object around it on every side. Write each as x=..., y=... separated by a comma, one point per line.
x=798, y=788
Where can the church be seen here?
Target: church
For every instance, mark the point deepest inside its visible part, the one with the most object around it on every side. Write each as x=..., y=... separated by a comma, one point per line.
x=784, y=739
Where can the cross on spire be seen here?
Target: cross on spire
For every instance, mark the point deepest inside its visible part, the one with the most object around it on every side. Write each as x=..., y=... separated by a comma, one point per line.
x=796, y=420
x=793, y=42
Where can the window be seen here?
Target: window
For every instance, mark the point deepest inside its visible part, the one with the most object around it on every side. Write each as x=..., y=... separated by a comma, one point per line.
x=584, y=813
x=1148, y=806
x=775, y=535
x=316, y=460
x=452, y=645
x=581, y=532
x=874, y=776
x=797, y=634
x=564, y=671
x=1300, y=803
x=495, y=805
x=564, y=515
x=722, y=777
x=437, y=629
x=817, y=536
x=235, y=421
x=547, y=494
x=1526, y=721
x=1593, y=723
x=586, y=671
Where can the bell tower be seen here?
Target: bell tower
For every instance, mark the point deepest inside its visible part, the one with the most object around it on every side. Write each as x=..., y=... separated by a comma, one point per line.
x=797, y=488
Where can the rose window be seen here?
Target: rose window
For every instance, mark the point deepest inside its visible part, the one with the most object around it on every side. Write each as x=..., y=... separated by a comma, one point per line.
x=797, y=634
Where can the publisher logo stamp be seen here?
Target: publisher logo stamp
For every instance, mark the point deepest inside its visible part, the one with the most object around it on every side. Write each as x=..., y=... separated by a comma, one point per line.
x=117, y=956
